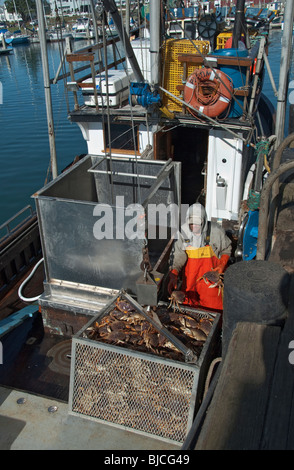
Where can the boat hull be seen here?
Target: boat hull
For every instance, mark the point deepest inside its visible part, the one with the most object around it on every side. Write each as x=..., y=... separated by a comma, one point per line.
x=17, y=40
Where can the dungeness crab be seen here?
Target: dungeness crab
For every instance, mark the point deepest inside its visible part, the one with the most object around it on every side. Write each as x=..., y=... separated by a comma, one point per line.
x=177, y=297
x=214, y=278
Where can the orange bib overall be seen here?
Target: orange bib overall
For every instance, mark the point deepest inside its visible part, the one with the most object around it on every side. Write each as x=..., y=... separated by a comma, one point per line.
x=201, y=260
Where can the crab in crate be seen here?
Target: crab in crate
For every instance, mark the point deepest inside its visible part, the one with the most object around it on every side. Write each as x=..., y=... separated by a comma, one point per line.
x=177, y=297
x=124, y=306
x=214, y=278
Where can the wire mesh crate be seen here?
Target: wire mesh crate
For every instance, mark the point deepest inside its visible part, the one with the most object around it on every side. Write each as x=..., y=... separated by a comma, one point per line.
x=142, y=392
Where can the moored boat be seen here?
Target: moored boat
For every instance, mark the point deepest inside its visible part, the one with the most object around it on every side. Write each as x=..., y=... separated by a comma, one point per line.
x=82, y=29
x=57, y=35
x=16, y=38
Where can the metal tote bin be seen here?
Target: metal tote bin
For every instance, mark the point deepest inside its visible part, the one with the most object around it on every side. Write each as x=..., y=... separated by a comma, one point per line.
x=73, y=257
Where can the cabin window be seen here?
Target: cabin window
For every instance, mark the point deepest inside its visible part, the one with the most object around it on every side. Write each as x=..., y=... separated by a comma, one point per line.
x=123, y=139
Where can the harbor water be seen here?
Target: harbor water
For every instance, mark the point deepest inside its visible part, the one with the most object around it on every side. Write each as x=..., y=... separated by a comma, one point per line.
x=24, y=142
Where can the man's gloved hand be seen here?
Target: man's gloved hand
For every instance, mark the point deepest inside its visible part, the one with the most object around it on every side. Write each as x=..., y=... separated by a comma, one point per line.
x=173, y=281
x=222, y=264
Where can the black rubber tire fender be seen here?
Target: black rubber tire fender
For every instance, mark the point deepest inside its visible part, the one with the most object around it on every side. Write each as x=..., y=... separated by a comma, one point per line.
x=254, y=291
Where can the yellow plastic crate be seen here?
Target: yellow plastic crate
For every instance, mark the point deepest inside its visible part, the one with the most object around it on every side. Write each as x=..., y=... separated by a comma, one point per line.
x=222, y=39
x=173, y=70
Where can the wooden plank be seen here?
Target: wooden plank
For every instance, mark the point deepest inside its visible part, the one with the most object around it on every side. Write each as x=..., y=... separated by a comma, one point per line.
x=237, y=412
x=221, y=60
x=86, y=85
x=79, y=57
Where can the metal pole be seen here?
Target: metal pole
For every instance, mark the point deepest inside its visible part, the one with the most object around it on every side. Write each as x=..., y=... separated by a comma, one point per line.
x=94, y=19
x=16, y=14
x=127, y=18
x=239, y=23
x=154, y=40
x=286, y=52
x=42, y=37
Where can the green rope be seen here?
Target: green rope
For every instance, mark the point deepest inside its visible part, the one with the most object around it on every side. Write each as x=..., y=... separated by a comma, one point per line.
x=261, y=150
x=253, y=200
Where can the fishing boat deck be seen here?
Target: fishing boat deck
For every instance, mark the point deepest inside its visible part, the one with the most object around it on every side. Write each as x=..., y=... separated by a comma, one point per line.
x=138, y=113
x=251, y=407
x=34, y=379
x=30, y=426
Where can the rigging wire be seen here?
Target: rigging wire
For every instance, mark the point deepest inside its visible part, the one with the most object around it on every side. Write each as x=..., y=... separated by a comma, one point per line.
x=61, y=54
x=58, y=27
x=108, y=113
x=133, y=128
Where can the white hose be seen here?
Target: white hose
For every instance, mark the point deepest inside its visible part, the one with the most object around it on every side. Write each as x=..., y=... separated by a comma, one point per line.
x=248, y=182
x=29, y=299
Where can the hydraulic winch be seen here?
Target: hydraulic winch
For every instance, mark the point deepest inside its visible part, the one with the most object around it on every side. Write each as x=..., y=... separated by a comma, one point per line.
x=140, y=93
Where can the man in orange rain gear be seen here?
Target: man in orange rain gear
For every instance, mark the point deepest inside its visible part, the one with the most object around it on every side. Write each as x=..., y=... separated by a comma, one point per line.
x=200, y=246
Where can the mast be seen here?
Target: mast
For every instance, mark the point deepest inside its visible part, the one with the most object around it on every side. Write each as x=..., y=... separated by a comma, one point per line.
x=16, y=14
x=286, y=53
x=154, y=40
x=94, y=19
x=42, y=36
x=127, y=18
x=239, y=24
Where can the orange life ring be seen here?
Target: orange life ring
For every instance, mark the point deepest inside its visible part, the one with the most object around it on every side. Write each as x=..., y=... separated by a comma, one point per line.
x=208, y=91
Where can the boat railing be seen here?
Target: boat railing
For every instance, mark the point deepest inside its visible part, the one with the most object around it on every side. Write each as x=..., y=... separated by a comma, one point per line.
x=20, y=248
x=74, y=56
x=7, y=225
x=96, y=65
